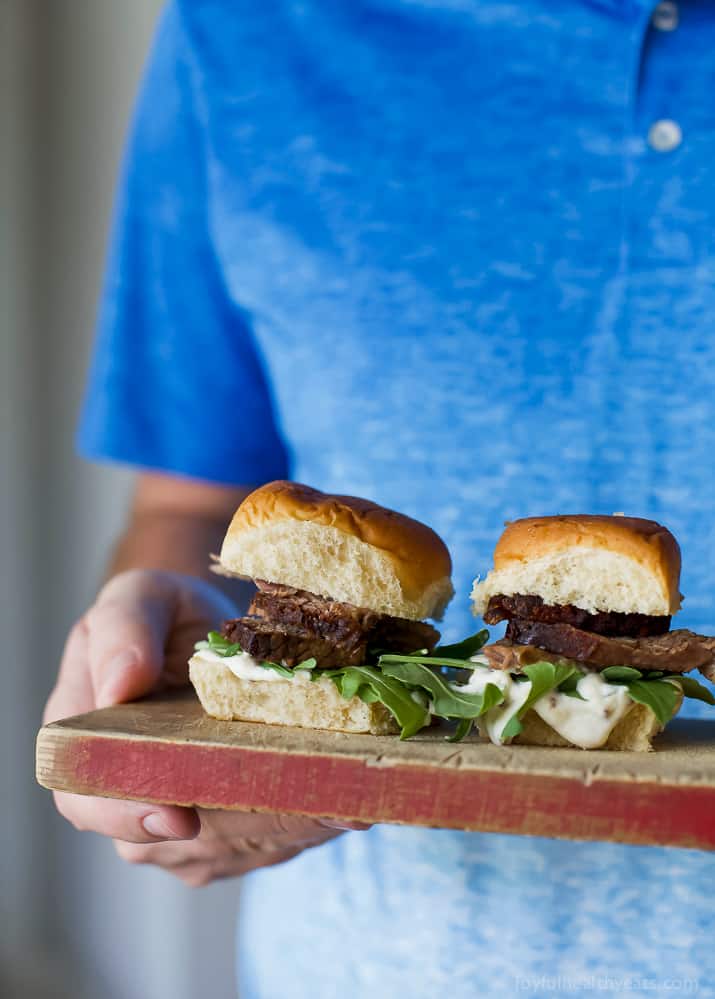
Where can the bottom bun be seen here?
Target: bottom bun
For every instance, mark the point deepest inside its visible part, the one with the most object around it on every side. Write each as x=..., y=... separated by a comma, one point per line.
x=634, y=733
x=300, y=701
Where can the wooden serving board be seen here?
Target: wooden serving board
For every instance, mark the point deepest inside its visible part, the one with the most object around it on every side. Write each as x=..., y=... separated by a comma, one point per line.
x=165, y=749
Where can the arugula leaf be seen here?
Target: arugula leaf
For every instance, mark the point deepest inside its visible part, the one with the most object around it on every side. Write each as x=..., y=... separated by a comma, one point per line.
x=277, y=668
x=462, y=730
x=464, y=649
x=493, y=695
x=568, y=686
x=691, y=688
x=367, y=695
x=433, y=660
x=396, y=697
x=657, y=689
x=215, y=642
x=661, y=696
x=544, y=677
x=447, y=701
x=513, y=727
x=307, y=664
x=621, y=674
x=421, y=696
x=350, y=683
x=565, y=674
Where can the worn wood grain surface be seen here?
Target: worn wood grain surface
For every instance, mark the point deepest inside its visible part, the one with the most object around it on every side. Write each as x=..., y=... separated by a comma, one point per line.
x=165, y=749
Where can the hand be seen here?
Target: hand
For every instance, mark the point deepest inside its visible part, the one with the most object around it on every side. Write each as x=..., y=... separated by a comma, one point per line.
x=233, y=843
x=137, y=637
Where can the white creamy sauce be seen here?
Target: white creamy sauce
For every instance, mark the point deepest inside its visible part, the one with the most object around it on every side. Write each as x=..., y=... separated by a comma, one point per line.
x=586, y=723
x=515, y=693
x=245, y=667
x=483, y=675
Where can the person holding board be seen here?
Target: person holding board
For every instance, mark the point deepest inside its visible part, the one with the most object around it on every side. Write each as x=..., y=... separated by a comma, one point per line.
x=456, y=258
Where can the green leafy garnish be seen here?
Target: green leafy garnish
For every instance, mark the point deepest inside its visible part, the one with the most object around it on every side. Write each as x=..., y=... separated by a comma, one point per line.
x=348, y=683
x=691, y=688
x=464, y=649
x=573, y=693
x=307, y=664
x=215, y=642
x=569, y=684
x=661, y=696
x=621, y=674
x=433, y=660
x=421, y=696
x=410, y=715
x=656, y=689
x=462, y=730
x=447, y=701
x=278, y=668
x=544, y=677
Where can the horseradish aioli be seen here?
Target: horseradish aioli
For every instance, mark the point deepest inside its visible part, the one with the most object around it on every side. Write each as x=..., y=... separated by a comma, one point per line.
x=515, y=694
x=245, y=667
x=586, y=723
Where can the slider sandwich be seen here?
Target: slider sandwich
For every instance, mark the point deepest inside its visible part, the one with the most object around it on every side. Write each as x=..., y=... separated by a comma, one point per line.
x=340, y=582
x=588, y=658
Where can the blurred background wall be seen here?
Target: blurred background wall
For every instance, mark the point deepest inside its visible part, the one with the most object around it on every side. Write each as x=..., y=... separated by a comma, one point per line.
x=75, y=920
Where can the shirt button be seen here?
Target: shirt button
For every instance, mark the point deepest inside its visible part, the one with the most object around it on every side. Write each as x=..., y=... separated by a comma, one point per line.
x=665, y=16
x=665, y=135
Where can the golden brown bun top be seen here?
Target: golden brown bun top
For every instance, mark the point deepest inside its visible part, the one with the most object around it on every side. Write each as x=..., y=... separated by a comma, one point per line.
x=645, y=541
x=419, y=555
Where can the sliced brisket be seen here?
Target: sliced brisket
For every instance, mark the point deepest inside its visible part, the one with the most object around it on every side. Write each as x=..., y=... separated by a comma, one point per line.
x=339, y=622
x=512, y=658
x=288, y=625
x=289, y=644
x=674, y=652
x=533, y=608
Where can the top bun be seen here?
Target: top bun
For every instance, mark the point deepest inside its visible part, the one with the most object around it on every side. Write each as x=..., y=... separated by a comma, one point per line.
x=340, y=547
x=619, y=564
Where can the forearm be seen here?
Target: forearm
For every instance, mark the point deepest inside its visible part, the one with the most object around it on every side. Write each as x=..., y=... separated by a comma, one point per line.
x=165, y=540
x=177, y=530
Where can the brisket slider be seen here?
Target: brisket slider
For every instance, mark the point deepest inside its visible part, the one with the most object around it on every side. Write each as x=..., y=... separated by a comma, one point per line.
x=594, y=596
x=339, y=580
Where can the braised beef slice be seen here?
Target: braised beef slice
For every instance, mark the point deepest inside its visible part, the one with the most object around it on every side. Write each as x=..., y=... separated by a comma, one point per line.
x=340, y=622
x=609, y=623
x=288, y=625
x=673, y=652
x=511, y=658
x=289, y=644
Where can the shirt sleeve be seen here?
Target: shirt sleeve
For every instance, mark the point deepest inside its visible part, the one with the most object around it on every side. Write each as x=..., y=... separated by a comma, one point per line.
x=176, y=382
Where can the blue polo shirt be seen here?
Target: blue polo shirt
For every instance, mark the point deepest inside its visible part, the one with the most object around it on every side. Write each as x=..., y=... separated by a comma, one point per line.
x=458, y=257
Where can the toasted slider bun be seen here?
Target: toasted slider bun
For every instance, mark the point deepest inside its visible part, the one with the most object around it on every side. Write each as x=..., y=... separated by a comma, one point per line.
x=634, y=733
x=340, y=547
x=301, y=702
x=619, y=564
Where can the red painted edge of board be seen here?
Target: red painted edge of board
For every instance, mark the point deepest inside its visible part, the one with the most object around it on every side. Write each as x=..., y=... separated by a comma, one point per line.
x=349, y=788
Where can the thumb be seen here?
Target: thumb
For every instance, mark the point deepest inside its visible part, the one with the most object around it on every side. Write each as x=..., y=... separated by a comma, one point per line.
x=127, y=630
